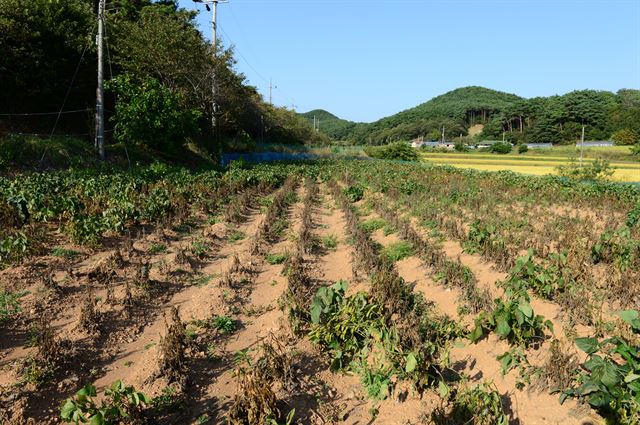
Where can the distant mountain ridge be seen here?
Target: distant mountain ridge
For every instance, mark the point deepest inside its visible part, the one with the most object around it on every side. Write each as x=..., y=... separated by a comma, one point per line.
x=553, y=119
x=334, y=127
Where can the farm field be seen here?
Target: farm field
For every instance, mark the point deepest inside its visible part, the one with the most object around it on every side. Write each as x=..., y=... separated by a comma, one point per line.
x=318, y=293
x=539, y=162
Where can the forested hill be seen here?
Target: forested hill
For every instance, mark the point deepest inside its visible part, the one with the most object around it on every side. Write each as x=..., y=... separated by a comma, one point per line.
x=553, y=119
x=334, y=127
x=457, y=109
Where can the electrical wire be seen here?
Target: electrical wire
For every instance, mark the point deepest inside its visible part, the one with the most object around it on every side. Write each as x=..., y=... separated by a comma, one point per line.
x=46, y=113
x=235, y=49
x=75, y=74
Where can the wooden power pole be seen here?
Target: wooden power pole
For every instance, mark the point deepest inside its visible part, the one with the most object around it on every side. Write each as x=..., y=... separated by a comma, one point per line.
x=581, y=146
x=214, y=43
x=99, y=141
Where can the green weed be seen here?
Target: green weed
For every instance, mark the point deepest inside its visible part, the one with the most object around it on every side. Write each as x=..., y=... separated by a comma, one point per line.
x=372, y=225
x=398, y=251
x=120, y=404
x=236, y=236
x=277, y=258
x=64, y=253
x=157, y=248
x=330, y=242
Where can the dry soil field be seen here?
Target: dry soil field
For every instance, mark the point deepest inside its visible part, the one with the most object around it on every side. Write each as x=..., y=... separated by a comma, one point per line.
x=348, y=292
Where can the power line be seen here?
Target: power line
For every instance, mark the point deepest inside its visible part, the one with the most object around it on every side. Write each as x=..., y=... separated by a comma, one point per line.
x=75, y=74
x=29, y=114
x=236, y=50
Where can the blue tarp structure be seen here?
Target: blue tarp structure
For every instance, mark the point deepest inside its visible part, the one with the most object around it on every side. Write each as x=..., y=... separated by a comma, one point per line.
x=264, y=157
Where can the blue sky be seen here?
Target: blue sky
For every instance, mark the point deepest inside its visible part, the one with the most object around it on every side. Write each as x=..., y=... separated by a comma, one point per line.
x=363, y=60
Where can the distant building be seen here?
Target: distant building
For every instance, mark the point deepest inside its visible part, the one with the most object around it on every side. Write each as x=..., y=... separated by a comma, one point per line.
x=539, y=145
x=421, y=143
x=596, y=144
x=488, y=143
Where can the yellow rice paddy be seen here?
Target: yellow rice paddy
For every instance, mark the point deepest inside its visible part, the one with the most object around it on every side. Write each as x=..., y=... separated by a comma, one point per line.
x=624, y=171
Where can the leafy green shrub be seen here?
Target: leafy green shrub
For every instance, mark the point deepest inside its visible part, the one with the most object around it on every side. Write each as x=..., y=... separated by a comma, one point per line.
x=633, y=216
x=480, y=234
x=13, y=248
x=64, y=253
x=236, y=235
x=616, y=246
x=330, y=242
x=86, y=229
x=372, y=225
x=478, y=405
x=277, y=258
x=121, y=403
x=224, y=324
x=9, y=305
x=398, y=251
x=545, y=279
x=523, y=148
x=460, y=147
x=610, y=380
x=354, y=193
x=399, y=151
x=625, y=137
x=157, y=204
x=512, y=319
x=597, y=170
x=501, y=148
x=151, y=114
x=343, y=325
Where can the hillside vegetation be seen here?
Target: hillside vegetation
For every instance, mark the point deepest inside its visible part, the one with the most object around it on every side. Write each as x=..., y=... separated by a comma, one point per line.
x=334, y=127
x=555, y=119
x=158, y=77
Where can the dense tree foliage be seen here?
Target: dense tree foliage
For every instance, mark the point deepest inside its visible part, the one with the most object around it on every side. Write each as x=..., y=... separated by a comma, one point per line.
x=155, y=44
x=456, y=111
x=395, y=151
x=555, y=119
x=149, y=113
x=625, y=137
x=41, y=43
x=334, y=127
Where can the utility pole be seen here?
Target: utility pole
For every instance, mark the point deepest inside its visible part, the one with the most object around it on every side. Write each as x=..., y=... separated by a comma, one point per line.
x=443, y=134
x=271, y=87
x=99, y=141
x=581, y=146
x=262, y=128
x=214, y=43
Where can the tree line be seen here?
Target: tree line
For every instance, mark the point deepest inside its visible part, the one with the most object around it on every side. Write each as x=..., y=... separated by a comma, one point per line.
x=555, y=119
x=159, y=76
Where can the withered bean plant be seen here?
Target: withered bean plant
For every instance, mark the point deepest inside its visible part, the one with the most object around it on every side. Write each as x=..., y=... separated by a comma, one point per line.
x=296, y=301
x=449, y=272
x=275, y=220
x=80, y=240
x=577, y=244
x=388, y=330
